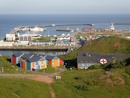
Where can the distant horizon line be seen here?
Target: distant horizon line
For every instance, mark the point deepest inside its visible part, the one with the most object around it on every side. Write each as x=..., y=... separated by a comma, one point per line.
x=74, y=14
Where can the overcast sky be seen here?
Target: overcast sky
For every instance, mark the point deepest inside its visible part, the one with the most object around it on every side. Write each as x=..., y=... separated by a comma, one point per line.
x=64, y=6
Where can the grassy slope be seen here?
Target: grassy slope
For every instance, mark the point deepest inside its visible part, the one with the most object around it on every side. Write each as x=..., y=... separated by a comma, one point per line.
x=49, y=70
x=89, y=84
x=108, y=45
x=13, y=87
x=9, y=68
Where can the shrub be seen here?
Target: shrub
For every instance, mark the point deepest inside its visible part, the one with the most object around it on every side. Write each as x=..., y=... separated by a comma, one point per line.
x=127, y=70
x=96, y=66
x=118, y=64
x=81, y=87
x=78, y=78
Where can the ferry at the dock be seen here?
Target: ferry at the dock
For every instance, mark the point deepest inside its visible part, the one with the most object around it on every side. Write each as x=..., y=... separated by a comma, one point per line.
x=36, y=29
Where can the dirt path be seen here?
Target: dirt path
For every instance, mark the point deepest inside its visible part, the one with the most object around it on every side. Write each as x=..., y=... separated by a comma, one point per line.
x=52, y=91
x=16, y=95
x=41, y=78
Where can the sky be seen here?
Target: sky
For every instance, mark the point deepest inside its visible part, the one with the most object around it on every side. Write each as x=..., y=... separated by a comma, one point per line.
x=64, y=6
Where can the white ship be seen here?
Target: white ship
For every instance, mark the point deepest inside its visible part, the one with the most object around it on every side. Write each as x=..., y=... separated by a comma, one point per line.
x=36, y=29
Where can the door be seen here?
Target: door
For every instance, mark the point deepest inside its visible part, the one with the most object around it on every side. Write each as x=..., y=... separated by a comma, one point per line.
x=56, y=63
x=28, y=66
x=24, y=65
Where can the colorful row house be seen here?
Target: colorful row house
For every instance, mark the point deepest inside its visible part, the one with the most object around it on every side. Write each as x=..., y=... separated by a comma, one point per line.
x=35, y=61
x=16, y=58
x=53, y=61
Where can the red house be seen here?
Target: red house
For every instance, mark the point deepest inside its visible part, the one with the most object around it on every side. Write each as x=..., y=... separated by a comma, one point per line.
x=16, y=58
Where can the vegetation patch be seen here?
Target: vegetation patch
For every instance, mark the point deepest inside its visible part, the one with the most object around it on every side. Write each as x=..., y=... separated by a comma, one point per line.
x=43, y=39
x=23, y=88
x=108, y=45
x=93, y=83
x=49, y=70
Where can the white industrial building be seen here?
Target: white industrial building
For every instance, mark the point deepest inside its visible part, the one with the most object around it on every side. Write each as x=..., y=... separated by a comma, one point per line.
x=10, y=37
x=29, y=37
x=2, y=43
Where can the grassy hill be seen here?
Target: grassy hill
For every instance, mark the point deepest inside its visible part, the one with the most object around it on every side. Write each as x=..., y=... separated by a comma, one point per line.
x=23, y=88
x=90, y=83
x=93, y=84
x=108, y=45
x=74, y=84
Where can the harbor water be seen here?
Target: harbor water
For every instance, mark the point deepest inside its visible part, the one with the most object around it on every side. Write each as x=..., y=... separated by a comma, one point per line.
x=9, y=22
x=11, y=52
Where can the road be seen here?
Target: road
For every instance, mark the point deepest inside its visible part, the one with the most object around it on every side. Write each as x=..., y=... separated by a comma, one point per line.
x=77, y=42
x=46, y=78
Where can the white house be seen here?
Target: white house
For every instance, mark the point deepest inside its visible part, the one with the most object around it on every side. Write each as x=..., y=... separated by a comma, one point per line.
x=10, y=37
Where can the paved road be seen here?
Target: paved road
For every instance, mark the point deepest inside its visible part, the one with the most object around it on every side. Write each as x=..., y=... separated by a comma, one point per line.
x=77, y=42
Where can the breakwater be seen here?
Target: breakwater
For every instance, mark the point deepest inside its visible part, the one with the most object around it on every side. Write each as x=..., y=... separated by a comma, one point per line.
x=35, y=48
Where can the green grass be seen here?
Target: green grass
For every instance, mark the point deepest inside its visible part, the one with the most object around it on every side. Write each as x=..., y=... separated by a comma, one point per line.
x=70, y=58
x=108, y=45
x=9, y=68
x=43, y=39
x=49, y=70
x=92, y=84
x=13, y=87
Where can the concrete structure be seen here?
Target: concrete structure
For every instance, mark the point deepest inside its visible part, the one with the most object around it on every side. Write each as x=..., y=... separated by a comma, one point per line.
x=41, y=43
x=10, y=37
x=21, y=43
x=2, y=43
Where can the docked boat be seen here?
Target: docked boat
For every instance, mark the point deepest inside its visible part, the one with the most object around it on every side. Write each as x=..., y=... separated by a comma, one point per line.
x=36, y=29
x=65, y=30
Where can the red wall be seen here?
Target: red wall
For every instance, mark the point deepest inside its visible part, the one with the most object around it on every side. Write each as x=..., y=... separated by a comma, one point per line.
x=61, y=62
x=13, y=60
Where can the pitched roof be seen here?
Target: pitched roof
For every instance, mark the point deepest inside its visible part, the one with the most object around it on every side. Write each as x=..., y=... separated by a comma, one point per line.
x=48, y=57
x=35, y=58
x=18, y=54
x=88, y=57
x=27, y=55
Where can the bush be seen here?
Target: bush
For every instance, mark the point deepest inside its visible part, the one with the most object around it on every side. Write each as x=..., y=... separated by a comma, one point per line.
x=127, y=70
x=78, y=78
x=81, y=87
x=97, y=66
x=118, y=64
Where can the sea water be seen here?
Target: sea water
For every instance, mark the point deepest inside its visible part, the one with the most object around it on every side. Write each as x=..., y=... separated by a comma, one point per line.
x=9, y=22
